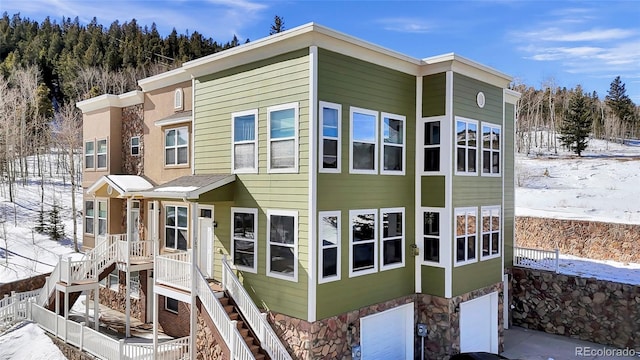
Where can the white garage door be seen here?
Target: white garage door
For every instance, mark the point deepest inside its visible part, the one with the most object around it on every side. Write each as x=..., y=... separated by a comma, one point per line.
x=479, y=324
x=388, y=335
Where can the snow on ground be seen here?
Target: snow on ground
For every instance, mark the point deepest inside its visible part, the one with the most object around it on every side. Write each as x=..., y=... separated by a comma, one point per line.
x=28, y=341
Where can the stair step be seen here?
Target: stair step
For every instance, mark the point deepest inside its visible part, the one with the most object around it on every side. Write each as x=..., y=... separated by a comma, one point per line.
x=240, y=325
x=234, y=316
x=259, y=356
x=224, y=301
x=243, y=332
x=255, y=349
x=229, y=309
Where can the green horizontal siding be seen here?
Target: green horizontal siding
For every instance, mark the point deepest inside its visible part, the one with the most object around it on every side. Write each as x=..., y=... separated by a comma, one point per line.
x=474, y=276
x=476, y=191
x=465, y=90
x=433, y=191
x=433, y=282
x=434, y=93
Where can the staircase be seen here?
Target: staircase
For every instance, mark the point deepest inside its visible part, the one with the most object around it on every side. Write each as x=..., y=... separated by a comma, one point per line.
x=249, y=337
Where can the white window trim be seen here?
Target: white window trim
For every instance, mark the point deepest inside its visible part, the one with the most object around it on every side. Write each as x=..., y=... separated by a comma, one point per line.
x=338, y=168
x=353, y=110
x=234, y=115
x=491, y=151
x=442, y=225
x=92, y=155
x=296, y=149
x=482, y=232
x=106, y=154
x=253, y=211
x=132, y=146
x=276, y=275
x=464, y=211
x=403, y=146
x=94, y=217
x=321, y=247
x=456, y=146
x=382, y=239
x=176, y=147
x=444, y=136
x=373, y=270
x=167, y=308
x=164, y=228
x=97, y=218
x=178, y=99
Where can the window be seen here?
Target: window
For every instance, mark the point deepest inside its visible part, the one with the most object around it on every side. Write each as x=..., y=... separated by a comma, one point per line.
x=171, y=304
x=282, y=129
x=363, y=242
x=432, y=146
x=102, y=217
x=176, y=220
x=135, y=145
x=89, y=155
x=392, y=142
x=176, y=146
x=282, y=241
x=245, y=238
x=465, y=235
x=102, y=153
x=329, y=234
x=431, y=235
x=134, y=284
x=466, y=146
x=331, y=122
x=89, y=215
x=245, y=142
x=364, y=135
x=111, y=281
x=177, y=99
x=490, y=149
x=392, y=238
x=490, y=232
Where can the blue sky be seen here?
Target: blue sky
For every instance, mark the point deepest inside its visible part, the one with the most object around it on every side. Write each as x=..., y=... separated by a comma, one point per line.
x=560, y=42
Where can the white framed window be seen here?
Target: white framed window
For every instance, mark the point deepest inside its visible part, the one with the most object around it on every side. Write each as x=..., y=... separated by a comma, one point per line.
x=491, y=237
x=102, y=217
x=244, y=135
x=363, y=242
x=491, y=149
x=392, y=141
x=282, y=244
x=101, y=153
x=432, y=235
x=244, y=223
x=111, y=281
x=176, y=221
x=176, y=146
x=466, y=235
x=329, y=242
x=89, y=216
x=177, y=99
x=135, y=145
x=330, y=135
x=171, y=304
x=466, y=147
x=282, y=133
x=89, y=155
x=432, y=131
x=363, y=144
x=391, y=238
x=134, y=284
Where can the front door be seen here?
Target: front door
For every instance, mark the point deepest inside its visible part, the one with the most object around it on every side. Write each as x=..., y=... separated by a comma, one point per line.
x=152, y=220
x=205, y=238
x=134, y=220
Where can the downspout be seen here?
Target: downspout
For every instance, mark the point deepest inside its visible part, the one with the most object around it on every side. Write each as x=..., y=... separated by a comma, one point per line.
x=194, y=272
x=128, y=272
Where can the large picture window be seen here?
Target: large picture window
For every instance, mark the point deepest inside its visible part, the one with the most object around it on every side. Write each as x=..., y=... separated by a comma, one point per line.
x=330, y=144
x=283, y=138
x=176, y=146
x=329, y=257
x=89, y=216
x=101, y=153
x=245, y=238
x=466, y=233
x=363, y=242
x=89, y=155
x=364, y=135
x=176, y=227
x=466, y=146
x=432, y=146
x=431, y=235
x=245, y=141
x=282, y=242
x=393, y=144
x=490, y=232
x=490, y=149
x=392, y=238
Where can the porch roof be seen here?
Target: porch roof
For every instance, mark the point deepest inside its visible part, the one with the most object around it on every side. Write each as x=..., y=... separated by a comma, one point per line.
x=188, y=187
x=177, y=118
x=123, y=184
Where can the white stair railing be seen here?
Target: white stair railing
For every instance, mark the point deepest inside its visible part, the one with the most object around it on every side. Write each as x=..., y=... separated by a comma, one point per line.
x=536, y=258
x=50, y=284
x=269, y=341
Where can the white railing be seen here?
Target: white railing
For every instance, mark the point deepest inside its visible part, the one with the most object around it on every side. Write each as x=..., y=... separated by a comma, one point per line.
x=139, y=251
x=50, y=284
x=172, y=349
x=174, y=269
x=256, y=320
x=227, y=328
x=536, y=258
x=77, y=271
x=13, y=307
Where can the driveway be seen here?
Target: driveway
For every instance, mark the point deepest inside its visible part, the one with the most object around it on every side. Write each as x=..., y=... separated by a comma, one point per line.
x=525, y=344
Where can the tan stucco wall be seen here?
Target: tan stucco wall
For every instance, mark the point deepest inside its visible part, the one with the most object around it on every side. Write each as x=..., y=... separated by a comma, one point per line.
x=103, y=124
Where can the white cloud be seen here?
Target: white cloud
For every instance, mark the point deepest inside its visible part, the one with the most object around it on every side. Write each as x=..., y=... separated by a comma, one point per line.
x=406, y=25
x=556, y=34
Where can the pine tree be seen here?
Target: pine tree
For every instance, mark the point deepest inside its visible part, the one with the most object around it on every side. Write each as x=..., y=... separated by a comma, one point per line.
x=575, y=129
x=621, y=105
x=277, y=26
x=55, y=228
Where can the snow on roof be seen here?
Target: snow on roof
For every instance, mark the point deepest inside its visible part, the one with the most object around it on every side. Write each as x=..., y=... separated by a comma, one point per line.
x=121, y=183
x=176, y=188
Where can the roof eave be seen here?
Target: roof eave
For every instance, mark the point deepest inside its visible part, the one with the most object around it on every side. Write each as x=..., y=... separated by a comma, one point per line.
x=105, y=101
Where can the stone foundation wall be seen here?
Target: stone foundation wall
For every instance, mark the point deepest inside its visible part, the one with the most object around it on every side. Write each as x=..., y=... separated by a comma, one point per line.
x=209, y=342
x=23, y=285
x=132, y=125
x=69, y=351
x=588, y=309
x=592, y=239
x=117, y=299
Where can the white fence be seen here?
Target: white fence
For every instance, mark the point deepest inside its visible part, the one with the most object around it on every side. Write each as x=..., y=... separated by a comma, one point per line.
x=536, y=258
x=257, y=320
